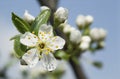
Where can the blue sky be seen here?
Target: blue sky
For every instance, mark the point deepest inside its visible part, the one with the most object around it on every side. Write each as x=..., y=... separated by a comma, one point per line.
x=105, y=13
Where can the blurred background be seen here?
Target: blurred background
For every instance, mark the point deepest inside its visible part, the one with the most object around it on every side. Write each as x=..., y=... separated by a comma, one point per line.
x=106, y=15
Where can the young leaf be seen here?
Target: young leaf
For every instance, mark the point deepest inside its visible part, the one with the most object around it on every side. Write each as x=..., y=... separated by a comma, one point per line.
x=41, y=19
x=20, y=24
x=19, y=48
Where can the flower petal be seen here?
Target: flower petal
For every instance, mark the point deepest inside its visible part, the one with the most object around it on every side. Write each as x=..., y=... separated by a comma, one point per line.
x=31, y=57
x=29, y=39
x=48, y=61
x=56, y=43
x=45, y=32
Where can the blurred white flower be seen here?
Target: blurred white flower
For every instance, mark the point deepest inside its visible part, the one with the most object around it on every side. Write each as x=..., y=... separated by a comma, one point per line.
x=67, y=28
x=28, y=17
x=44, y=8
x=80, y=21
x=61, y=14
x=86, y=39
x=97, y=33
x=85, y=42
x=43, y=46
x=103, y=33
x=89, y=19
x=75, y=36
x=84, y=45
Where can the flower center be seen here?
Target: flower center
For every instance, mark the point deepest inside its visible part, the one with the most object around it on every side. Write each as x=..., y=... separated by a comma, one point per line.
x=41, y=45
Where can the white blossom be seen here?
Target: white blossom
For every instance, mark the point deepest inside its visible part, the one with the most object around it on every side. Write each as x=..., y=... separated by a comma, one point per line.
x=80, y=21
x=89, y=19
x=43, y=46
x=97, y=33
x=85, y=42
x=86, y=39
x=84, y=45
x=61, y=14
x=75, y=36
x=28, y=17
x=67, y=28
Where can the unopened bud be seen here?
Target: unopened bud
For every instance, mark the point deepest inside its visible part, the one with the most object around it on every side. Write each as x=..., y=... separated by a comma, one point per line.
x=89, y=19
x=75, y=36
x=61, y=14
x=86, y=39
x=84, y=45
x=80, y=21
x=28, y=17
x=97, y=34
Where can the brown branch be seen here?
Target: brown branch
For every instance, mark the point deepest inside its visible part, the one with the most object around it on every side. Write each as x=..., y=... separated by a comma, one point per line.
x=77, y=68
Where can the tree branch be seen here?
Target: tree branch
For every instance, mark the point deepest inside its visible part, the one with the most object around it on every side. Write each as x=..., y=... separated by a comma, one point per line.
x=77, y=68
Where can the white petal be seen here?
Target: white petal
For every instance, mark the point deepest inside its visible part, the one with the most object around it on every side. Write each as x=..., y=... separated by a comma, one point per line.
x=56, y=43
x=45, y=32
x=29, y=39
x=48, y=61
x=31, y=57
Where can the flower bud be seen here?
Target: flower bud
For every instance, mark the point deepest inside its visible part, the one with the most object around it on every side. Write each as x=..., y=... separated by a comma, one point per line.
x=75, y=36
x=86, y=39
x=61, y=14
x=28, y=17
x=67, y=28
x=84, y=45
x=94, y=33
x=80, y=21
x=102, y=33
x=44, y=8
x=97, y=34
x=89, y=19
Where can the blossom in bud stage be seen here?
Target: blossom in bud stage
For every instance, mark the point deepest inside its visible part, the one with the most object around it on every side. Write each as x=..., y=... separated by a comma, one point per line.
x=43, y=47
x=85, y=42
x=44, y=8
x=80, y=21
x=67, y=28
x=83, y=21
x=61, y=14
x=86, y=39
x=84, y=45
x=89, y=19
x=28, y=17
x=97, y=34
x=75, y=36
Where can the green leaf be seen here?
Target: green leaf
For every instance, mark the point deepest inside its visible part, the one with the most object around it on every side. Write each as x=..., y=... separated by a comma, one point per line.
x=20, y=24
x=97, y=64
x=19, y=48
x=16, y=36
x=41, y=19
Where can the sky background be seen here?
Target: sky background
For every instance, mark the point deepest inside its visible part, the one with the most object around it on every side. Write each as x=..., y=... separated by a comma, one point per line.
x=106, y=15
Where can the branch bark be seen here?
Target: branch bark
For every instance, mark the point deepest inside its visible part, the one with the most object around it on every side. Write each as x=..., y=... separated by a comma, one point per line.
x=77, y=68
